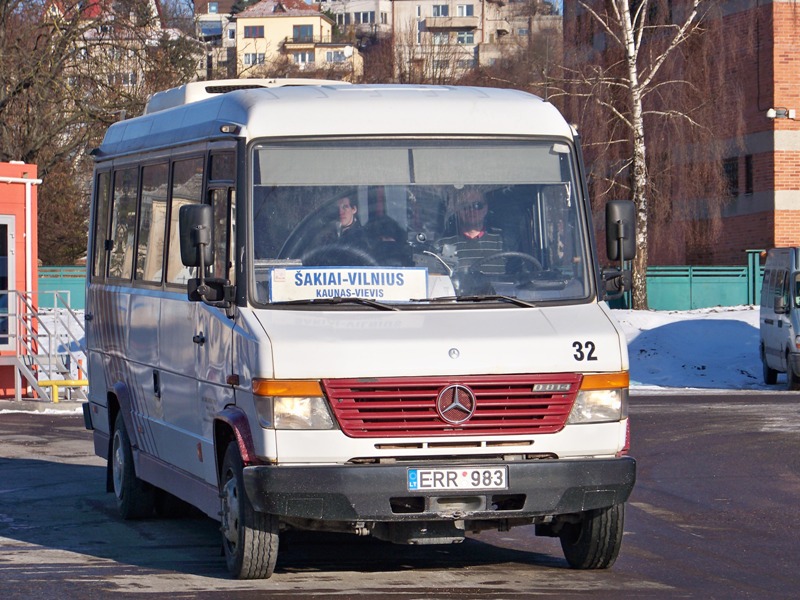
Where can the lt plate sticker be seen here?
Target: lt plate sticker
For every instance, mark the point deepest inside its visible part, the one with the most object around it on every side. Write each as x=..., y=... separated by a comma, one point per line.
x=392, y=284
x=465, y=478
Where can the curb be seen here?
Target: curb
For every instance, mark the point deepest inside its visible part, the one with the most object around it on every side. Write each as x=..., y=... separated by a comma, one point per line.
x=40, y=406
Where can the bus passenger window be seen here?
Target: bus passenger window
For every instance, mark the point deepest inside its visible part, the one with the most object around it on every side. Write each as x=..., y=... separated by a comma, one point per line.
x=152, y=223
x=123, y=224
x=187, y=188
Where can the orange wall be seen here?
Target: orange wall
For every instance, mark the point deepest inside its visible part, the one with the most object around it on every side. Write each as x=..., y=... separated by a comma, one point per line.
x=12, y=202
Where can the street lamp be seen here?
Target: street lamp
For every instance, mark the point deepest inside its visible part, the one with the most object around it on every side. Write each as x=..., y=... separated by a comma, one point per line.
x=781, y=113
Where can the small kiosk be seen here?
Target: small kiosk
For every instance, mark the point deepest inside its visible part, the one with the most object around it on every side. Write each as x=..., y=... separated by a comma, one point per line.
x=18, y=261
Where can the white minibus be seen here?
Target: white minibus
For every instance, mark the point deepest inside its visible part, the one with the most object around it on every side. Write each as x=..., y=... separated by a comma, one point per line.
x=779, y=319
x=374, y=309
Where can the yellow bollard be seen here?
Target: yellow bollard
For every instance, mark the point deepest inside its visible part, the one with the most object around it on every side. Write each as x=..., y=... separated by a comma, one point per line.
x=54, y=384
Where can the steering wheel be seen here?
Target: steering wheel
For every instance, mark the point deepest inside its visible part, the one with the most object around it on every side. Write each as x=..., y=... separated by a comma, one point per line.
x=474, y=268
x=339, y=255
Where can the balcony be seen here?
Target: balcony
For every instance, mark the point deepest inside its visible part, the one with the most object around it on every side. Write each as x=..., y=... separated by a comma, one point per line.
x=454, y=23
x=305, y=41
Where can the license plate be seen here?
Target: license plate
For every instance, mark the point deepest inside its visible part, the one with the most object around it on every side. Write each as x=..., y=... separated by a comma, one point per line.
x=465, y=478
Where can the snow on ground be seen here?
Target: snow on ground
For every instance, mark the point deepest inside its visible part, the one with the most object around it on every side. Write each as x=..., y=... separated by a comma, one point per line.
x=711, y=348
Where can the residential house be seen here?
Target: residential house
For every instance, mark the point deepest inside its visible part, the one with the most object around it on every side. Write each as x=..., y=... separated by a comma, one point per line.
x=278, y=38
x=363, y=21
x=438, y=40
x=218, y=33
x=117, y=41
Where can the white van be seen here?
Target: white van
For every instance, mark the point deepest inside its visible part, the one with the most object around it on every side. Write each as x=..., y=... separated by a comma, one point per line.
x=374, y=309
x=779, y=321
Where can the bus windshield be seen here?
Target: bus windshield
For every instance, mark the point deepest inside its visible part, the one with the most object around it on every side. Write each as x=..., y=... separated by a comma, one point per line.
x=417, y=221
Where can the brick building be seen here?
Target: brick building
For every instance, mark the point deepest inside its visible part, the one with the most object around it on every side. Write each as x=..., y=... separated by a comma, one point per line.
x=759, y=133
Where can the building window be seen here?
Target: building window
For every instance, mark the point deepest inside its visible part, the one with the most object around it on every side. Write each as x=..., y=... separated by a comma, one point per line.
x=213, y=8
x=465, y=37
x=231, y=33
x=303, y=33
x=303, y=58
x=730, y=167
x=343, y=19
x=441, y=64
x=523, y=32
x=466, y=63
x=364, y=18
x=465, y=10
x=384, y=18
x=335, y=56
x=441, y=10
x=748, y=174
x=254, y=58
x=440, y=38
x=419, y=11
x=254, y=31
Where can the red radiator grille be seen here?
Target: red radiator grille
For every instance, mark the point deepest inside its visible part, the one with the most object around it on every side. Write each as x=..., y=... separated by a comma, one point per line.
x=406, y=406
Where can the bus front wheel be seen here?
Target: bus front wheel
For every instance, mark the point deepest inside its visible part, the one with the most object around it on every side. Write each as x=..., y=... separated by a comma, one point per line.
x=594, y=541
x=249, y=538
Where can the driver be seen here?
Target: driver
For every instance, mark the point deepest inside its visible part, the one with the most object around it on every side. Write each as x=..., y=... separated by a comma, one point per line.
x=474, y=240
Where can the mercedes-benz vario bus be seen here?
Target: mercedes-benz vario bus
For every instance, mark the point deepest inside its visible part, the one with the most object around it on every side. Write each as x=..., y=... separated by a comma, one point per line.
x=374, y=309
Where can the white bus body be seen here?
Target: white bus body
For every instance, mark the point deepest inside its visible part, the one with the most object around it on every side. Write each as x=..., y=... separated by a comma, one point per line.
x=407, y=376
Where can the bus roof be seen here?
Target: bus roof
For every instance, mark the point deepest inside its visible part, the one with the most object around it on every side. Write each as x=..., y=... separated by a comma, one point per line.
x=340, y=110
x=202, y=90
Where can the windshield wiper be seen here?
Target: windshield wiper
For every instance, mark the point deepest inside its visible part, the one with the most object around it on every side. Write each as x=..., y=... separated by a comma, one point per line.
x=338, y=300
x=488, y=298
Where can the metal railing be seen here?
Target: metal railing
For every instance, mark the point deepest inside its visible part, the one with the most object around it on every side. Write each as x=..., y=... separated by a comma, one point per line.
x=45, y=346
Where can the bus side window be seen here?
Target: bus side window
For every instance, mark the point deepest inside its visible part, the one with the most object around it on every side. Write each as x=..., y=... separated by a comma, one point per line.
x=187, y=188
x=222, y=203
x=101, y=199
x=123, y=223
x=152, y=223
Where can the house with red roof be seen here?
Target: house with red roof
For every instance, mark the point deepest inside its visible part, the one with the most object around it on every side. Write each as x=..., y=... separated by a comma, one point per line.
x=278, y=38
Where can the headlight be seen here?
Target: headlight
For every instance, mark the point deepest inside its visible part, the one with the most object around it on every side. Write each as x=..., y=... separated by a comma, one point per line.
x=602, y=398
x=282, y=404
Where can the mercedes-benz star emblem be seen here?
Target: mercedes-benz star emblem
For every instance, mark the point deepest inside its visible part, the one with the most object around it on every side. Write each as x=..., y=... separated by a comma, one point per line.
x=455, y=404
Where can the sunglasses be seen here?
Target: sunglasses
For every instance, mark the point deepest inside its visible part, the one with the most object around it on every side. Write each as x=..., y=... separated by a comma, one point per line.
x=473, y=206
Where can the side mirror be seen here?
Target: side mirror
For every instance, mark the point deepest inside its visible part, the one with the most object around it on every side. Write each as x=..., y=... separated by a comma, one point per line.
x=195, y=222
x=779, y=306
x=620, y=230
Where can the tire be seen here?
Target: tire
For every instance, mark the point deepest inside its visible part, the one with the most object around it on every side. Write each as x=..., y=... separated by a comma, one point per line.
x=594, y=542
x=249, y=538
x=770, y=375
x=792, y=379
x=135, y=498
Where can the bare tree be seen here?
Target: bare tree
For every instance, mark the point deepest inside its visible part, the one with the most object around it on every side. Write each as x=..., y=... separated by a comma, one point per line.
x=64, y=77
x=625, y=70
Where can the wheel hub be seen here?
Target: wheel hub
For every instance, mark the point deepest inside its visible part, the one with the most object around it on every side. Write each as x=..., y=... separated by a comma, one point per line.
x=118, y=464
x=230, y=511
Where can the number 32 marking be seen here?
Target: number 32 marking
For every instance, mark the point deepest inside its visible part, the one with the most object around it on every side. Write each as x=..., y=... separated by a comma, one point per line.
x=584, y=351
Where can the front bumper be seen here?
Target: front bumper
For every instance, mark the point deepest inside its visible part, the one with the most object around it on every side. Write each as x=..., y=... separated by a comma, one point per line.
x=374, y=492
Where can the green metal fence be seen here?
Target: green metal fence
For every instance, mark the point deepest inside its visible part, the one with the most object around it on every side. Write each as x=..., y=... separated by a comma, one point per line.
x=70, y=282
x=684, y=288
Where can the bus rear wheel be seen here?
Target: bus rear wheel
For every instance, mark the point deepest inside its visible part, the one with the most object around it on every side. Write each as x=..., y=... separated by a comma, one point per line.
x=135, y=498
x=249, y=538
x=770, y=374
x=594, y=541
